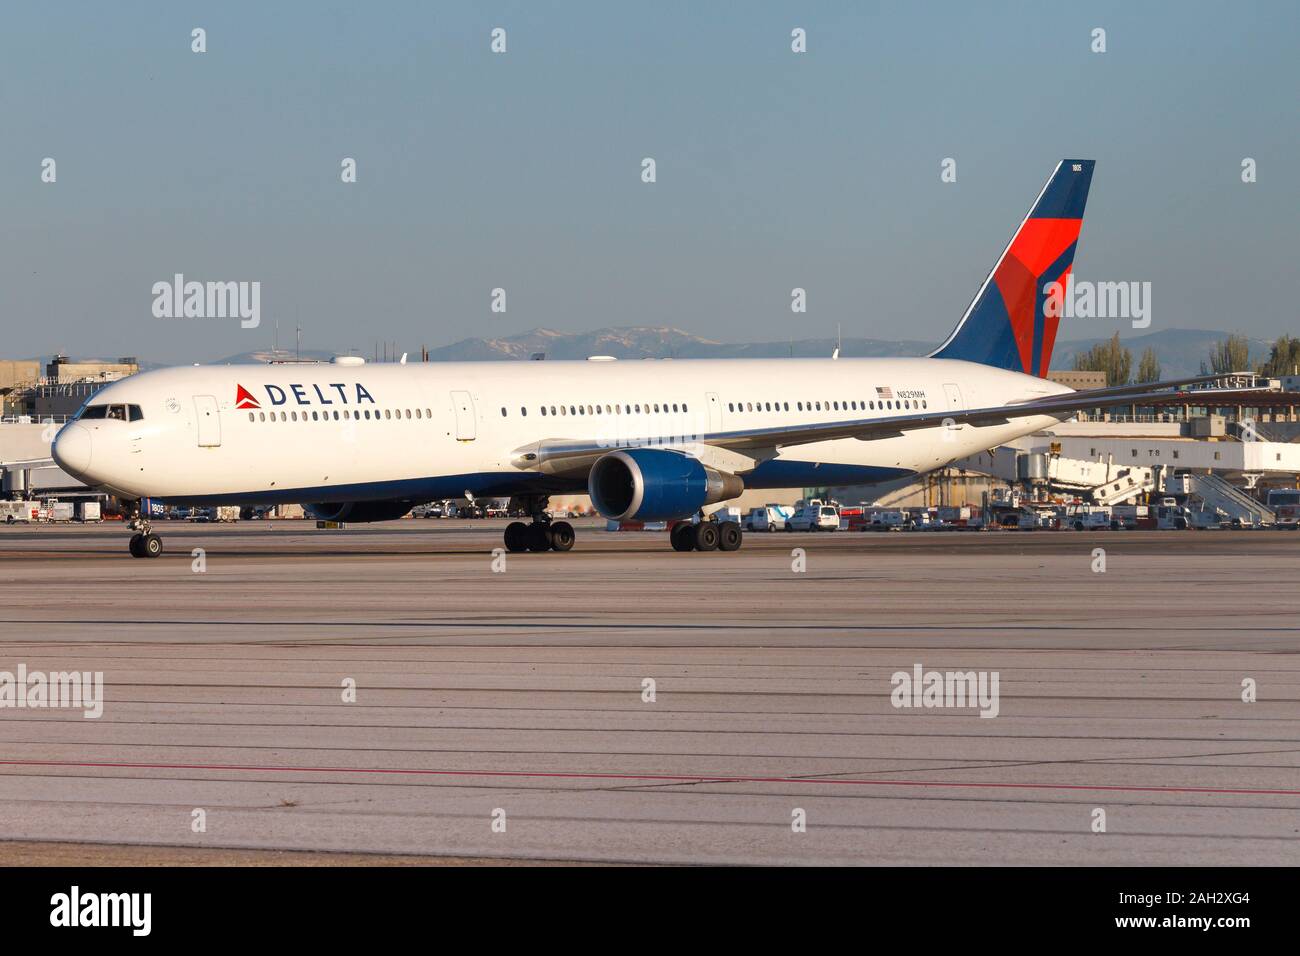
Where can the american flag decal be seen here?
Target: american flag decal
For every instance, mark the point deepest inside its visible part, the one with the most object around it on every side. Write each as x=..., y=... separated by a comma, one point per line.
x=884, y=394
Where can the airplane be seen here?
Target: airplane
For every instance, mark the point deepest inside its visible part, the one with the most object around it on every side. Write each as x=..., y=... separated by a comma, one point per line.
x=650, y=440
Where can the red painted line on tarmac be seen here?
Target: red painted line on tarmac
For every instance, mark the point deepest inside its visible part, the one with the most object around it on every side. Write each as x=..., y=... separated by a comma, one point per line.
x=648, y=777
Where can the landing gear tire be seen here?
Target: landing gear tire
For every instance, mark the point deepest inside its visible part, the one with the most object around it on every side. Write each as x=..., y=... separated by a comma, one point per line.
x=682, y=537
x=516, y=536
x=539, y=537
x=562, y=536
x=145, y=546
x=730, y=536
x=706, y=536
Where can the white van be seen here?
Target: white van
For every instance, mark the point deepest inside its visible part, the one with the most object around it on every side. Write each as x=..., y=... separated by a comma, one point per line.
x=770, y=518
x=814, y=517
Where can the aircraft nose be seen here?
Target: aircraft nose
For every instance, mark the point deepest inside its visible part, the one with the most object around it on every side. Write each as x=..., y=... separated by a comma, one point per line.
x=72, y=449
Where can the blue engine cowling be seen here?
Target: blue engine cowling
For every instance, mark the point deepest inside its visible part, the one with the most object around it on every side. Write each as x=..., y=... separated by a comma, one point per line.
x=649, y=484
x=360, y=511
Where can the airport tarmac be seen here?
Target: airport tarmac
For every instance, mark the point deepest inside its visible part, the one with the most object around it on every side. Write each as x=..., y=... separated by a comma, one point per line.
x=520, y=696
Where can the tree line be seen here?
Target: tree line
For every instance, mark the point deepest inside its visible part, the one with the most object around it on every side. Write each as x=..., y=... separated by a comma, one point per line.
x=1231, y=354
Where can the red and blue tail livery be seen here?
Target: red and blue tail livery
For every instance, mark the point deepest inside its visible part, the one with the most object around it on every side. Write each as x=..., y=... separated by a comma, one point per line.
x=1007, y=324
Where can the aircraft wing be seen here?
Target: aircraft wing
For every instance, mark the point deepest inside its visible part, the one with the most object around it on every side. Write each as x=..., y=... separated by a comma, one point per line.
x=558, y=456
x=1055, y=406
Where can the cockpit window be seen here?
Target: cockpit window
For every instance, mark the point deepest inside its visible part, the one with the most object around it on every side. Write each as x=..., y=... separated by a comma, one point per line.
x=121, y=413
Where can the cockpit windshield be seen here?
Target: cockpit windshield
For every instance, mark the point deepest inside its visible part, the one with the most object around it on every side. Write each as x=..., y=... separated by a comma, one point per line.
x=121, y=413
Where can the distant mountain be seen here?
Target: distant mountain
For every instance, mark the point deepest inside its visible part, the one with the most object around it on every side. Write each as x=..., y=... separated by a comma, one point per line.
x=655, y=342
x=1180, y=351
x=269, y=355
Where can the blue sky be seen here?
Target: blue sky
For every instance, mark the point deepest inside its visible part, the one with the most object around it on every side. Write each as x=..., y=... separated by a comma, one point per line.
x=522, y=170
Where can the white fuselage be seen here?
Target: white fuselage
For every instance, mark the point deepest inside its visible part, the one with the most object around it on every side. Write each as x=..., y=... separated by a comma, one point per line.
x=326, y=432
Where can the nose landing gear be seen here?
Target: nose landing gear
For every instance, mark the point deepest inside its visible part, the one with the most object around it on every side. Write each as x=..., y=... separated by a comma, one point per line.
x=542, y=534
x=144, y=543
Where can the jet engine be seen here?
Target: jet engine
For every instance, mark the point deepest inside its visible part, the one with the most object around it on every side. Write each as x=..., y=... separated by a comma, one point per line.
x=651, y=484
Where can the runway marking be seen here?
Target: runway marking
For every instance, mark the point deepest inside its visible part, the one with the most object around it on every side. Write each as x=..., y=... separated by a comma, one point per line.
x=660, y=778
x=561, y=622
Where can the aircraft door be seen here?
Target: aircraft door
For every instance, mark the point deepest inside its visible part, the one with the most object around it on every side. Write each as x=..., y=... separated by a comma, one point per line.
x=462, y=404
x=715, y=412
x=209, y=421
x=954, y=396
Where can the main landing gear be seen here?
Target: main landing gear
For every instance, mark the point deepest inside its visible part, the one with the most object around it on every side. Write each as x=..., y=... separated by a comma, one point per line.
x=542, y=534
x=144, y=543
x=706, y=536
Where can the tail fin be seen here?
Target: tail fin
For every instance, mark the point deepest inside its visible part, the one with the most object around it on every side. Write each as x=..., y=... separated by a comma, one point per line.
x=1006, y=325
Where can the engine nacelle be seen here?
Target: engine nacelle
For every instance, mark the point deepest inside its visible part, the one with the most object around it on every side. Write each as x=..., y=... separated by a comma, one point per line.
x=359, y=511
x=651, y=484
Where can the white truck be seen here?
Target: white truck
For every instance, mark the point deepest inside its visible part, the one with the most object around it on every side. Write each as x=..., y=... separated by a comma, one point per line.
x=814, y=516
x=1171, y=516
x=888, y=521
x=1285, y=503
x=1086, y=517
